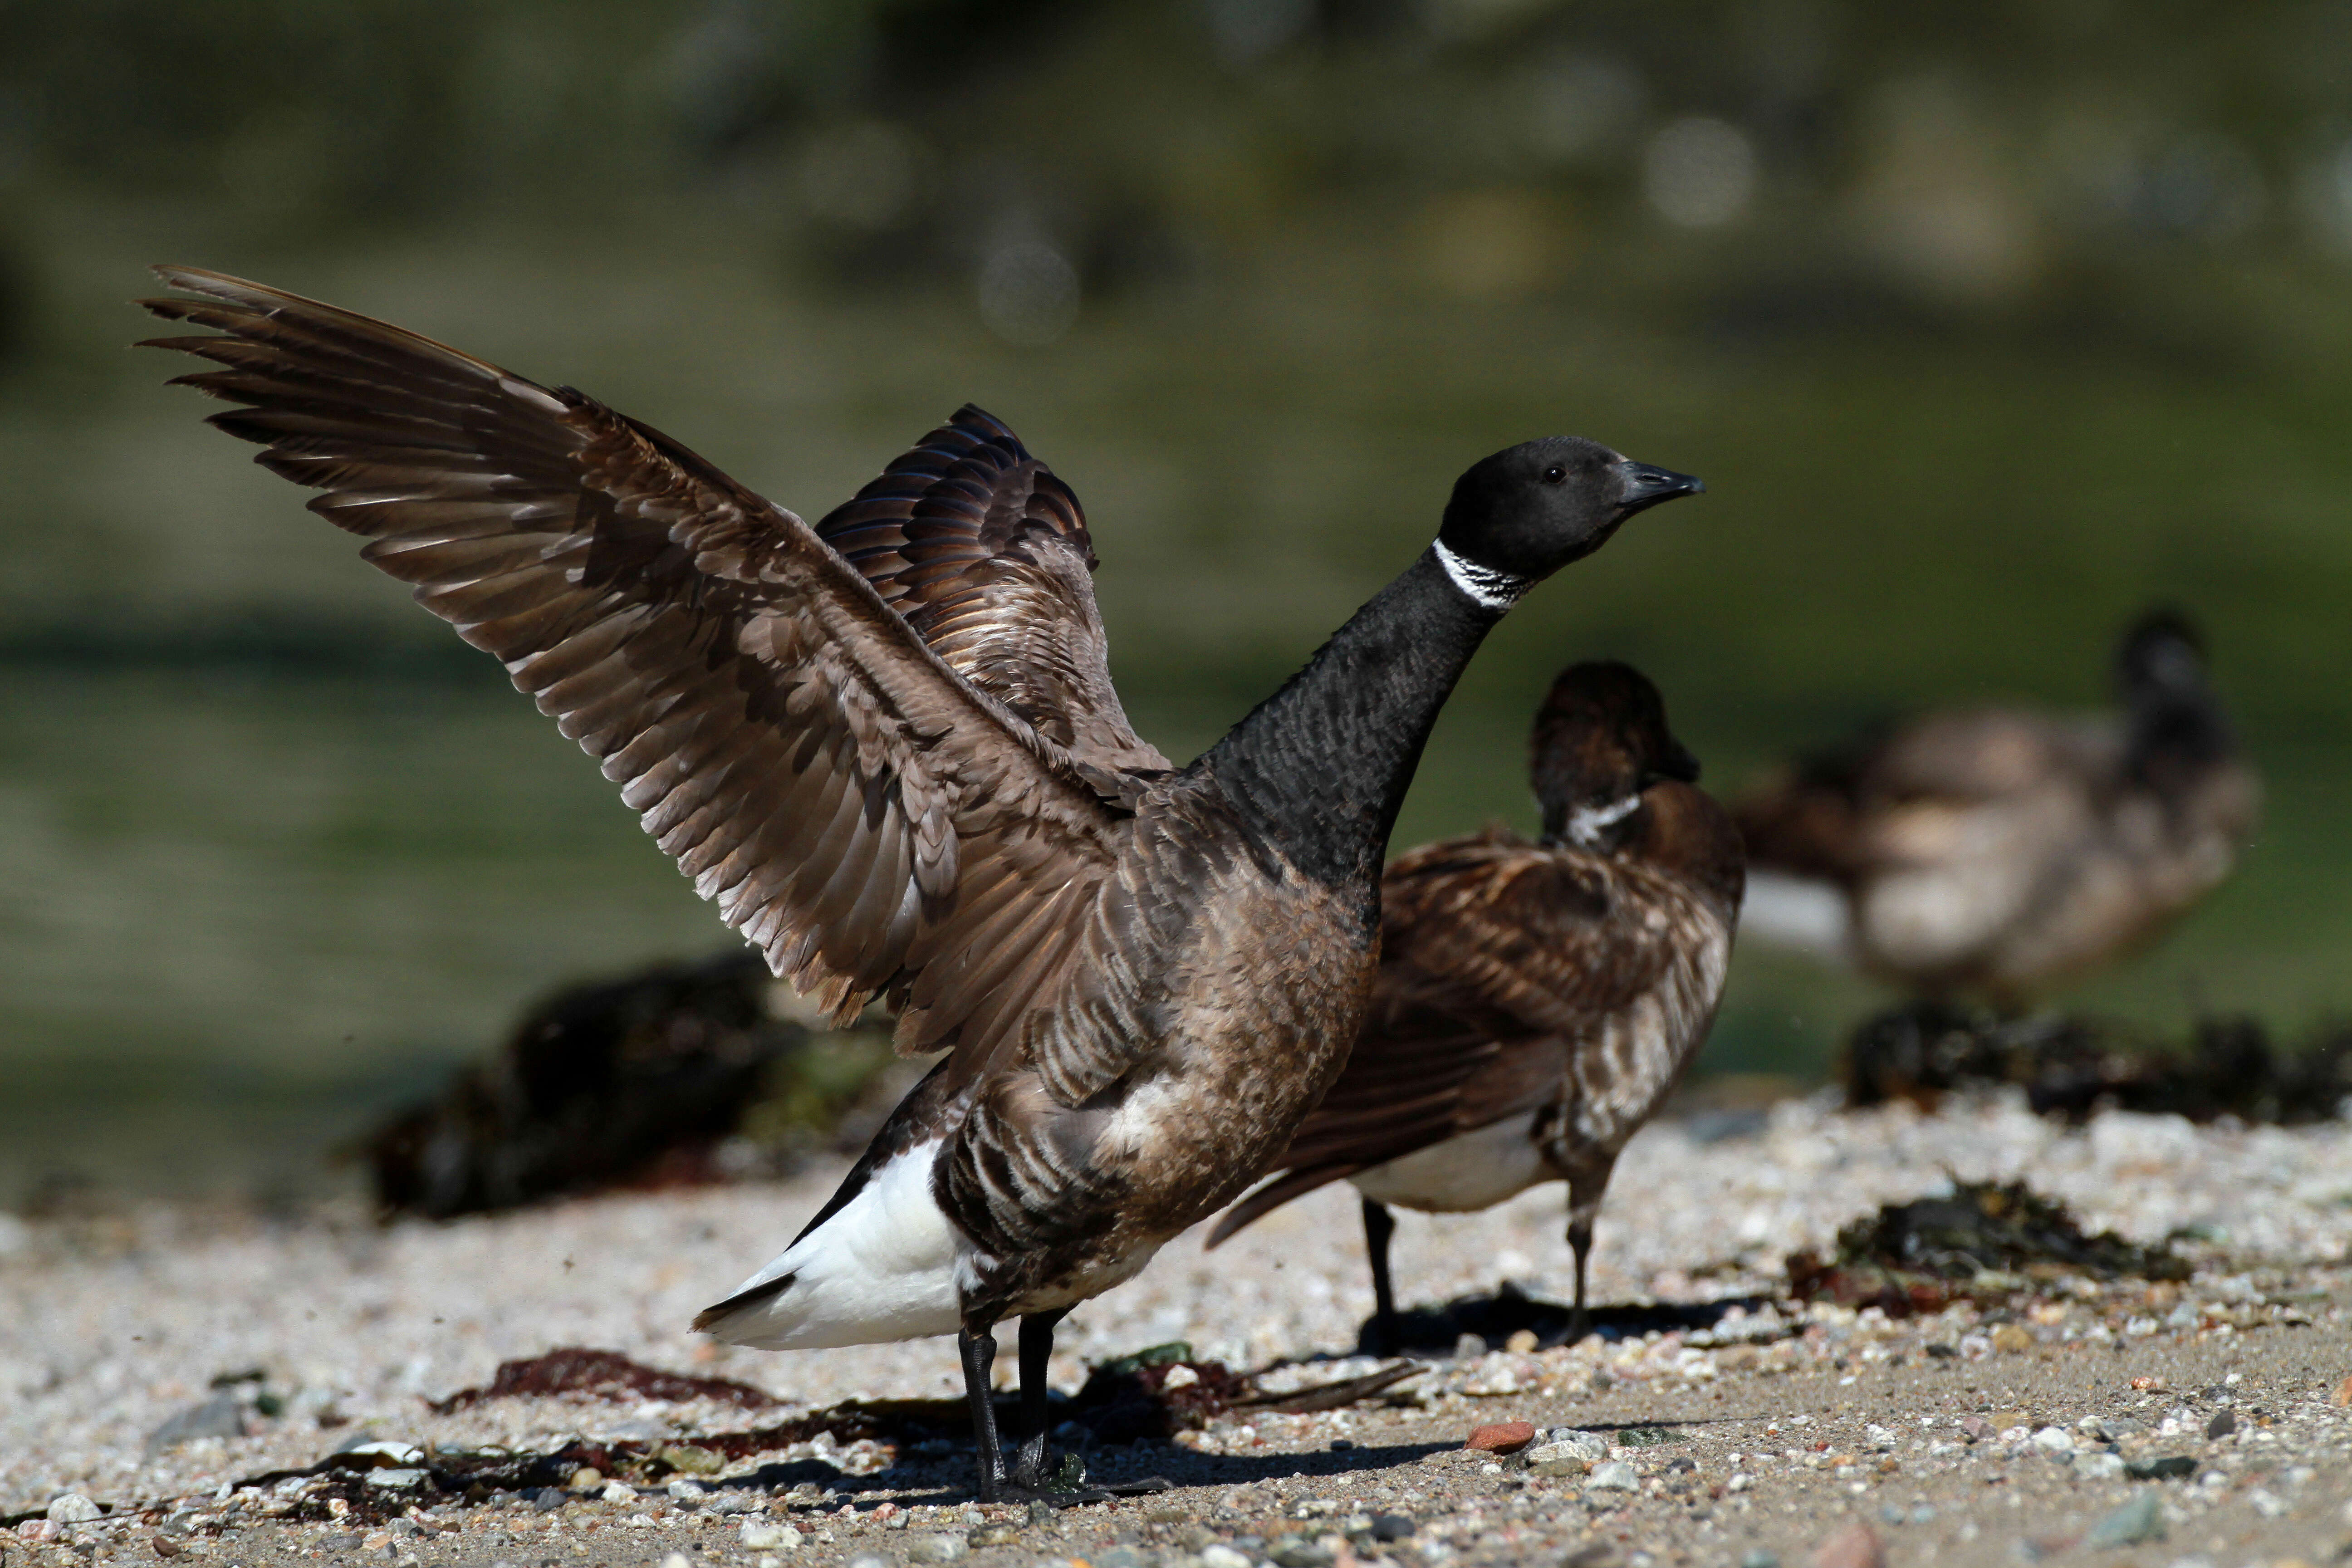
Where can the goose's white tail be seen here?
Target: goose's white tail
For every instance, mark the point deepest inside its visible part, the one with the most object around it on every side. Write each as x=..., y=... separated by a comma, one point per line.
x=1795, y=912
x=885, y=1267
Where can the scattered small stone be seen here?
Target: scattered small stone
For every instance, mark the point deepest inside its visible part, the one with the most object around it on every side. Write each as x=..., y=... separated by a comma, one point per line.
x=760, y=1535
x=994, y=1535
x=2342, y=1397
x=72, y=1508
x=618, y=1491
x=1388, y=1527
x=1503, y=1436
x=1976, y=1429
x=2222, y=1426
x=1758, y=1557
x=869, y=1560
x=586, y=1478
x=2099, y=1466
x=220, y=1416
x=1523, y=1341
x=2055, y=1441
x=1855, y=1546
x=1616, y=1475
x=2140, y=1520
x=688, y=1459
x=395, y=1479
x=1217, y=1555
x=676, y=1560
x=2166, y=1467
x=1286, y=1550
x=937, y=1548
x=2009, y=1338
x=166, y=1546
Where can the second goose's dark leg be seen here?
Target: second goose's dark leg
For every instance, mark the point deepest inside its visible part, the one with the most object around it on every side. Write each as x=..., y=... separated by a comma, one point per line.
x=1584, y=1191
x=977, y=1348
x=1036, y=1350
x=1379, y=1225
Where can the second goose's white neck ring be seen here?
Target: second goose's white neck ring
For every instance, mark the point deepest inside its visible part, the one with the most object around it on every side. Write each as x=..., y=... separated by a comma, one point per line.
x=1487, y=589
x=1586, y=823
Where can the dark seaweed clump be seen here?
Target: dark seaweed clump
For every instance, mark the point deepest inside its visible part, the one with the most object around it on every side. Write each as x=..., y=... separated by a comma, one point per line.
x=1980, y=1243
x=2072, y=1066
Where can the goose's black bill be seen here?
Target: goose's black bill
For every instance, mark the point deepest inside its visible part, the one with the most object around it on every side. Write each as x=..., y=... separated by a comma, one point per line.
x=1645, y=486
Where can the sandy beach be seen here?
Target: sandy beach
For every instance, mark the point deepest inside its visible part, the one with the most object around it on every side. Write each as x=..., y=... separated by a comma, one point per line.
x=1969, y=1436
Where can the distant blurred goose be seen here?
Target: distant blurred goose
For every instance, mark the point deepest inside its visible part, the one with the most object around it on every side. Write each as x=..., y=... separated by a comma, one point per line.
x=1536, y=1001
x=2001, y=853
x=889, y=748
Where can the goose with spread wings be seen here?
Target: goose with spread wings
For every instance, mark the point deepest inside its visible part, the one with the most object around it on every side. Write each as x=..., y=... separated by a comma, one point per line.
x=1536, y=1002
x=886, y=747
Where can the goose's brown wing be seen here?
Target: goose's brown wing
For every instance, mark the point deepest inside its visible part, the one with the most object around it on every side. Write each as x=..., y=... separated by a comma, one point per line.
x=985, y=553
x=862, y=814
x=1497, y=957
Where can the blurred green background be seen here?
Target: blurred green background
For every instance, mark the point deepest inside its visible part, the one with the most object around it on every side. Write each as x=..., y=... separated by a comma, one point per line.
x=1986, y=325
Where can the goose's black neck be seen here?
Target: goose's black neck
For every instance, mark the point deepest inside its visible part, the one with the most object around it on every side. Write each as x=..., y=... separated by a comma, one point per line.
x=1319, y=770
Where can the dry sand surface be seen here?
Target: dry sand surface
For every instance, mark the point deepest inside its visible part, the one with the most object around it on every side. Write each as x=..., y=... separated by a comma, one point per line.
x=1998, y=1436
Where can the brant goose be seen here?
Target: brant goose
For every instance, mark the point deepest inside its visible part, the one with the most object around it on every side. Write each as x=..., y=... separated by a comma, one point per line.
x=1535, y=1003
x=887, y=747
x=1999, y=853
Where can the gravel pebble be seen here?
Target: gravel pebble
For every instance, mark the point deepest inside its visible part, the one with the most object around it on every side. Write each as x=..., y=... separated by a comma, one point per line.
x=1503, y=1436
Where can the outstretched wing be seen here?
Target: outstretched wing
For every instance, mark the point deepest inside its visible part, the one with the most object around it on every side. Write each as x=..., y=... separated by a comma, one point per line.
x=860, y=812
x=1498, y=958
x=985, y=553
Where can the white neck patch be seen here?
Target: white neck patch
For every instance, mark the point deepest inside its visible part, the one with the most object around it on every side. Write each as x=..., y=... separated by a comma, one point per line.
x=1488, y=588
x=1586, y=823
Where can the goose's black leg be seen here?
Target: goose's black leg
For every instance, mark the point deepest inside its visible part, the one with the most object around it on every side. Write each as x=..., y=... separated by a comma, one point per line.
x=1585, y=1186
x=1579, y=1241
x=977, y=1347
x=1036, y=1350
x=1379, y=1225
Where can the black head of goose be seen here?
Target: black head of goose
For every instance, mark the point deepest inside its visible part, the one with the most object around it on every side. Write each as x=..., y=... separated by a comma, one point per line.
x=1536, y=1001
x=2002, y=852
x=895, y=763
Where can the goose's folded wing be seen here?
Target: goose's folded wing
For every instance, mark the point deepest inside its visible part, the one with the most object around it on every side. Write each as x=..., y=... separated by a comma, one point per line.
x=1497, y=957
x=985, y=553
x=862, y=814
x=1519, y=937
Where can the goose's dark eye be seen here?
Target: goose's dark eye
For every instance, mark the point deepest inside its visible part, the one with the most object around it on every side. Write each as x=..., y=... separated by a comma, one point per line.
x=1554, y=474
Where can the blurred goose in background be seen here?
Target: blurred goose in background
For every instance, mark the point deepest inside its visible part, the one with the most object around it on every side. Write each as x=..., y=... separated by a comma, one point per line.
x=889, y=748
x=1536, y=1002
x=1999, y=853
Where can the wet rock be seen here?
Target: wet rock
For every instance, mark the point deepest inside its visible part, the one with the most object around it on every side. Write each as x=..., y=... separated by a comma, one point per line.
x=72, y=1508
x=1503, y=1436
x=1855, y=1546
x=222, y=1416
x=2140, y=1520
